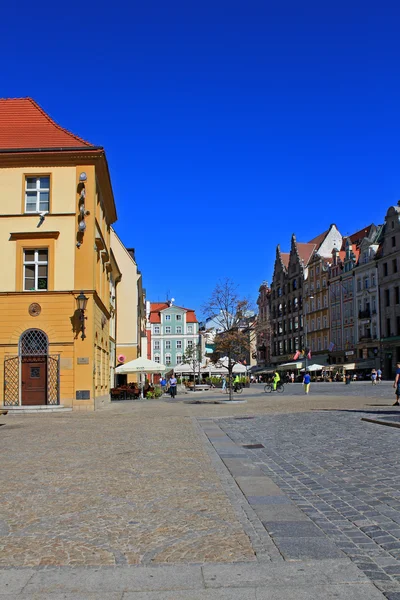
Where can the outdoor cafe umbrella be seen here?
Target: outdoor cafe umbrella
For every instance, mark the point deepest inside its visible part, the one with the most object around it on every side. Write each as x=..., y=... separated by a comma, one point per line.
x=140, y=365
x=312, y=368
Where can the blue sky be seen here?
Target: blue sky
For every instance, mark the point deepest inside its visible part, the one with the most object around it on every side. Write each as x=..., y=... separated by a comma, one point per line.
x=227, y=125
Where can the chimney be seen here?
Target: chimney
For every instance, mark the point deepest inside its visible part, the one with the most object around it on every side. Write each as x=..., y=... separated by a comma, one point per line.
x=131, y=251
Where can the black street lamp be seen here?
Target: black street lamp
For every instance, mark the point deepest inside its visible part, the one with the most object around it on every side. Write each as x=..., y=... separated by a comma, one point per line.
x=81, y=302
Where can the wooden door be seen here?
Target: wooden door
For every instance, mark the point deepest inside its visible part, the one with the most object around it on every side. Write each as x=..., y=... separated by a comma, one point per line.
x=34, y=380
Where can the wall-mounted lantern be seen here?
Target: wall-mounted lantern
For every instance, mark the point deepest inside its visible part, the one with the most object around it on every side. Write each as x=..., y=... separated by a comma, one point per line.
x=81, y=302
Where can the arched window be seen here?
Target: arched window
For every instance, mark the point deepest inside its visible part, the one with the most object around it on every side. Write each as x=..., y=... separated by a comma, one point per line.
x=33, y=342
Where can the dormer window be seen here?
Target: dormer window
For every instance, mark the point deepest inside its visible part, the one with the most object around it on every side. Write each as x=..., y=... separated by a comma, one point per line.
x=37, y=194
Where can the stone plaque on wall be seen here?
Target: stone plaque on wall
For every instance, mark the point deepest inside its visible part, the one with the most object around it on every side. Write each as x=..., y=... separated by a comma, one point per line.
x=83, y=394
x=83, y=360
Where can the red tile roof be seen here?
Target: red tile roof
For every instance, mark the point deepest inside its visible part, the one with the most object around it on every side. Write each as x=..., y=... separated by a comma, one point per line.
x=319, y=239
x=358, y=235
x=157, y=307
x=285, y=258
x=305, y=251
x=23, y=124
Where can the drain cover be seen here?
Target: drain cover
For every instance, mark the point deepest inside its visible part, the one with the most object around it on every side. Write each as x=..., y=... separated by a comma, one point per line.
x=250, y=446
x=242, y=418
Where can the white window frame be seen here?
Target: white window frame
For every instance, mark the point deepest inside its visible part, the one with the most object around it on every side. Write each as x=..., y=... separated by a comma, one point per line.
x=189, y=344
x=167, y=317
x=179, y=329
x=157, y=358
x=37, y=191
x=178, y=317
x=168, y=327
x=156, y=345
x=179, y=344
x=156, y=330
x=168, y=359
x=179, y=359
x=168, y=345
x=36, y=263
x=190, y=328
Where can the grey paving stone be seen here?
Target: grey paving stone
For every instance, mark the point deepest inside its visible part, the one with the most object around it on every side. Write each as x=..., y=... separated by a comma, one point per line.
x=303, y=548
x=268, y=500
x=293, y=529
x=280, y=513
x=258, y=486
x=241, y=468
x=180, y=577
x=322, y=592
x=220, y=594
x=12, y=581
x=65, y=596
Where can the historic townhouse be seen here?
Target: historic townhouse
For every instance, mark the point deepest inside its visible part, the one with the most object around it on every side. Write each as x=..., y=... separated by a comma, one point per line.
x=263, y=326
x=287, y=300
x=367, y=328
x=389, y=286
x=342, y=298
x=294, y=296
x=316, y=296
x=57, y=207
x=171, y=330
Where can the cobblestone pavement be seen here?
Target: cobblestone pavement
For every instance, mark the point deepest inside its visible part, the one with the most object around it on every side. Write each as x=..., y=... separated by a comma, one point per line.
x=109, y=489
x=140, y=484
x=343, y=473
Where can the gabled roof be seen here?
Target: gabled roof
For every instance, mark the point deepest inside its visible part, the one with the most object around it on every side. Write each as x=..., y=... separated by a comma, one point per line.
x=320, y=238
x=358, y=235
x=24, y=125
x=305, y=251
x=157, y=307
x=285, y=258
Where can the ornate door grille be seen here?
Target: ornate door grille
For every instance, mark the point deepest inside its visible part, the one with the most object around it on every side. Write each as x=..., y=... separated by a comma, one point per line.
x=12, y=385
x=11, y=381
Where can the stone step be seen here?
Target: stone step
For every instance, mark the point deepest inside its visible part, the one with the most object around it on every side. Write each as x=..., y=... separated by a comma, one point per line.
x=44, y=409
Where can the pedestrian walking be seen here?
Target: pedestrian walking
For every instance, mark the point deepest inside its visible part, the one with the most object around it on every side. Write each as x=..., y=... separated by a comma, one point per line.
x=292, y=377
x=379, y=375
x=223, y=383
x=163, y=384
x=373, y=377
x=236, y=382
x=306, y=382
x=396, y=384
x=172, y=386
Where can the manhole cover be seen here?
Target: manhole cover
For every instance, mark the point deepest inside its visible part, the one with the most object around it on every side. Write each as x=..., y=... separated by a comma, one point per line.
x=251, y=446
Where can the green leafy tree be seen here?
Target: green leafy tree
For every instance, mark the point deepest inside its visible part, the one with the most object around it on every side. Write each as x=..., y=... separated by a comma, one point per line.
x=192, y=357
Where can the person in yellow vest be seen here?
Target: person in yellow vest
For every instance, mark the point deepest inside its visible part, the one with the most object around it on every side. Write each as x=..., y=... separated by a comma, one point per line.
x=236, y=382
x=275, y=380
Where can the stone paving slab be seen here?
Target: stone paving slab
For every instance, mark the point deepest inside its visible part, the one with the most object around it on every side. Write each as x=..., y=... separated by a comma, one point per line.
x=119, y=579
x=258, y=486
x=308, y=573
x=65, y=596
x=295, y=529
x=321, y=592
x=278, y=514
x=13, y=581
x=296, y=548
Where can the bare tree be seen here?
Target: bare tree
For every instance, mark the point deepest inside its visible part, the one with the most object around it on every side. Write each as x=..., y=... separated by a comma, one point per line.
x=227, y=309
x=192, y=357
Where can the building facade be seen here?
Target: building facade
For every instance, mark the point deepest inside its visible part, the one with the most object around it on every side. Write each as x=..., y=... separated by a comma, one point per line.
x=171, y=331
x=389, y=287
x=367, y=307
x=263, y=326
x=57, y=210
x=131, y=321
x=292, y=295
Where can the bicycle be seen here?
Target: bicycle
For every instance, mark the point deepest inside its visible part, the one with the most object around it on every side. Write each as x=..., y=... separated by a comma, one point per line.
x=270, y=387
x=236, y=388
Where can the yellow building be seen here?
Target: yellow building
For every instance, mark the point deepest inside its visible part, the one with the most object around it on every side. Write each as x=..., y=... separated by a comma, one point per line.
x=57, y=208
x=131, y=318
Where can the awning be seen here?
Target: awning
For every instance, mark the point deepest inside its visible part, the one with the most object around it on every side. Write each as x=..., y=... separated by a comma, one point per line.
x=289, y=366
